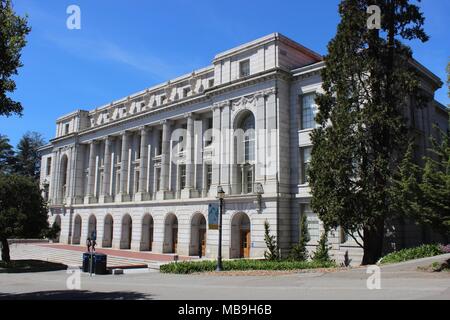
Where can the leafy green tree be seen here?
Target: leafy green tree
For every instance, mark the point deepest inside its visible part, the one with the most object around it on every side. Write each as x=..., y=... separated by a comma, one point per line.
x=299, y=251
x=272, y=248
x=28, y=161
x=360, y=139
x=23, y=211
x=6, y=155
x=13, y=30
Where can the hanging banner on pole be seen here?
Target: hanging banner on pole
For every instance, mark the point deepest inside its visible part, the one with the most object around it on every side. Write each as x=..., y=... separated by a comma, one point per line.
x=213, y=216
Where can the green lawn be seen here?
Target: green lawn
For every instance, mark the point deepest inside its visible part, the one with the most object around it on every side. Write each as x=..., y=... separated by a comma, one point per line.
x=187, y=267
x=20, y=266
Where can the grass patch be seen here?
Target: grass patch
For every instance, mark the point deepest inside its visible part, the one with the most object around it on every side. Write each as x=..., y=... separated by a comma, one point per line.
x=423, y=251
x=187, y=267
x=20, y=266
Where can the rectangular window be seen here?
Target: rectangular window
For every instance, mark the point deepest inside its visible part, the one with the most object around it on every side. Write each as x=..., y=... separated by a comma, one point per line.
x=186, y=92
x=249, y=149
x=182, y=175
x=208, y=176
x=138, y=147
x=210, y=83
x=158, y=178
x=49, y=166
x=66, y=128
x=305, y=158
x=160, y=142
x=308, y=111
x=163, y=99
x=136, y=181
x=312, y=221
x=208, y=136
x=249, y=179
x=244, y=68
x=118, y=183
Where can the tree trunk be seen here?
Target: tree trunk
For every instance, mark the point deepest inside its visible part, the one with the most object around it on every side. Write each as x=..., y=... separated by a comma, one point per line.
x=5, y=251
x=373, y=243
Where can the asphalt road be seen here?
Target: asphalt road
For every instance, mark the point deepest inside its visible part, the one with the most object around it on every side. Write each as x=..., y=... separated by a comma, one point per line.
x=400, y=281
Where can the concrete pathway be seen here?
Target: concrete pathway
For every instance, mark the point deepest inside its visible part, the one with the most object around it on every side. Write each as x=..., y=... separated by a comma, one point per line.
x=72, y=255
x=400, y=281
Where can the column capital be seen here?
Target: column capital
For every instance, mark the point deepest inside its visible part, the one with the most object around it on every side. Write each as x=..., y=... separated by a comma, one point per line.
x=125, y=133
x=93, y=141
x=144, y=129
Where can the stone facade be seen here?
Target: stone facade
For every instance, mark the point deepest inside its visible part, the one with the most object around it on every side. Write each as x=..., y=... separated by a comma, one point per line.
x=142, y=171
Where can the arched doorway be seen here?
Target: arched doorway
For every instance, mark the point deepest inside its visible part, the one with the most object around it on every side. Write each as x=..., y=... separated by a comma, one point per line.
x=125, y=240
x=58, y=223
x=108, y=231
x=170, y=234
x=198, y=236
x=92, y=226
x=147, y=233
x=240, y=236
x=76, y=230
x=63, y=173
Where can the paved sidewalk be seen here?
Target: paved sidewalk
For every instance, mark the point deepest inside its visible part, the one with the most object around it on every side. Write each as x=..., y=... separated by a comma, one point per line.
x=146, y=256
x=401, y=281
x=72, y=255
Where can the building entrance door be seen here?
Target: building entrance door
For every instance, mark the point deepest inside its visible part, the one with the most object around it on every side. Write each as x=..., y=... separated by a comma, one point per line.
x=174, y=239
x=245, y=244
x=202, y=242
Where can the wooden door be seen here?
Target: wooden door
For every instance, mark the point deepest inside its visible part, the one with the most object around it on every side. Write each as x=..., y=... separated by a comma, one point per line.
x=174, y=240
x=202, y=242
x=245, y=244
x=150, y=237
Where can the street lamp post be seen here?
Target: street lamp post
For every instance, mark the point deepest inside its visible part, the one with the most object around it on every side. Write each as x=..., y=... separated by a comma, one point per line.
x=220, y=195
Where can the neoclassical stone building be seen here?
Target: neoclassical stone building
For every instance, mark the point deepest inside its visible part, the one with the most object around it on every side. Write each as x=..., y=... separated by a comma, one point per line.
x=143, y=171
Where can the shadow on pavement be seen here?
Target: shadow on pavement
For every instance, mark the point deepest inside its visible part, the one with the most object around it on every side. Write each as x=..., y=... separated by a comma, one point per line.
x=75, y=295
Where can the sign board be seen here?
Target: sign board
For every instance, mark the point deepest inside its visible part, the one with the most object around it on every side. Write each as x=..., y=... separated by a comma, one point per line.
x=213, y=216
x=57, y=210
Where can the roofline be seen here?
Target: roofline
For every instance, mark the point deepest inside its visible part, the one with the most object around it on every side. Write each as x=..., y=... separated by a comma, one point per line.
x=266, y=39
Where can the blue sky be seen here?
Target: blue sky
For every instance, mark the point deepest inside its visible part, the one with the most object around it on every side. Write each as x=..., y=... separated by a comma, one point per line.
x=126, y=46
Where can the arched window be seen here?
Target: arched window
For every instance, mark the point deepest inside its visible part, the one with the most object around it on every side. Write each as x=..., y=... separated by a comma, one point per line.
x=246, y=145
x=248, y=126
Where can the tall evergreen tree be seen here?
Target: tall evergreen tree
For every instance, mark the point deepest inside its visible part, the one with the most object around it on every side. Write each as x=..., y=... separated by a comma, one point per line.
x=6, y=155
x=359, y=143
x=13, y=30
x=28, y=161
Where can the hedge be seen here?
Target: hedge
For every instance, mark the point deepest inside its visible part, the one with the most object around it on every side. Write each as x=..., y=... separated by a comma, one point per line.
x=187, y=267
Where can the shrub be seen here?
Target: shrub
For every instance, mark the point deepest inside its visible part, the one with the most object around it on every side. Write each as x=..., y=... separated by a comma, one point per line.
x=272, y=248
x=299, y=251
x=322, y=254
x=445, y=249
x=187, y=267
x=423, y=251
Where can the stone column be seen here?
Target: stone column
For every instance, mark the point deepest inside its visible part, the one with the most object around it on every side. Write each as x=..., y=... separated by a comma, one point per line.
x=142, y=192
x=53, y=173
x=189, y=191
x=106, y=195
x=225, y=147
x=123, y=195
x=215, y=181
x=164, y=192
x=89, y=197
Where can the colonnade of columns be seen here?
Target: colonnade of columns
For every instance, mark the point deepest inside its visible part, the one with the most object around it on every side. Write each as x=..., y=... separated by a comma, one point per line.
x=124, y=167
